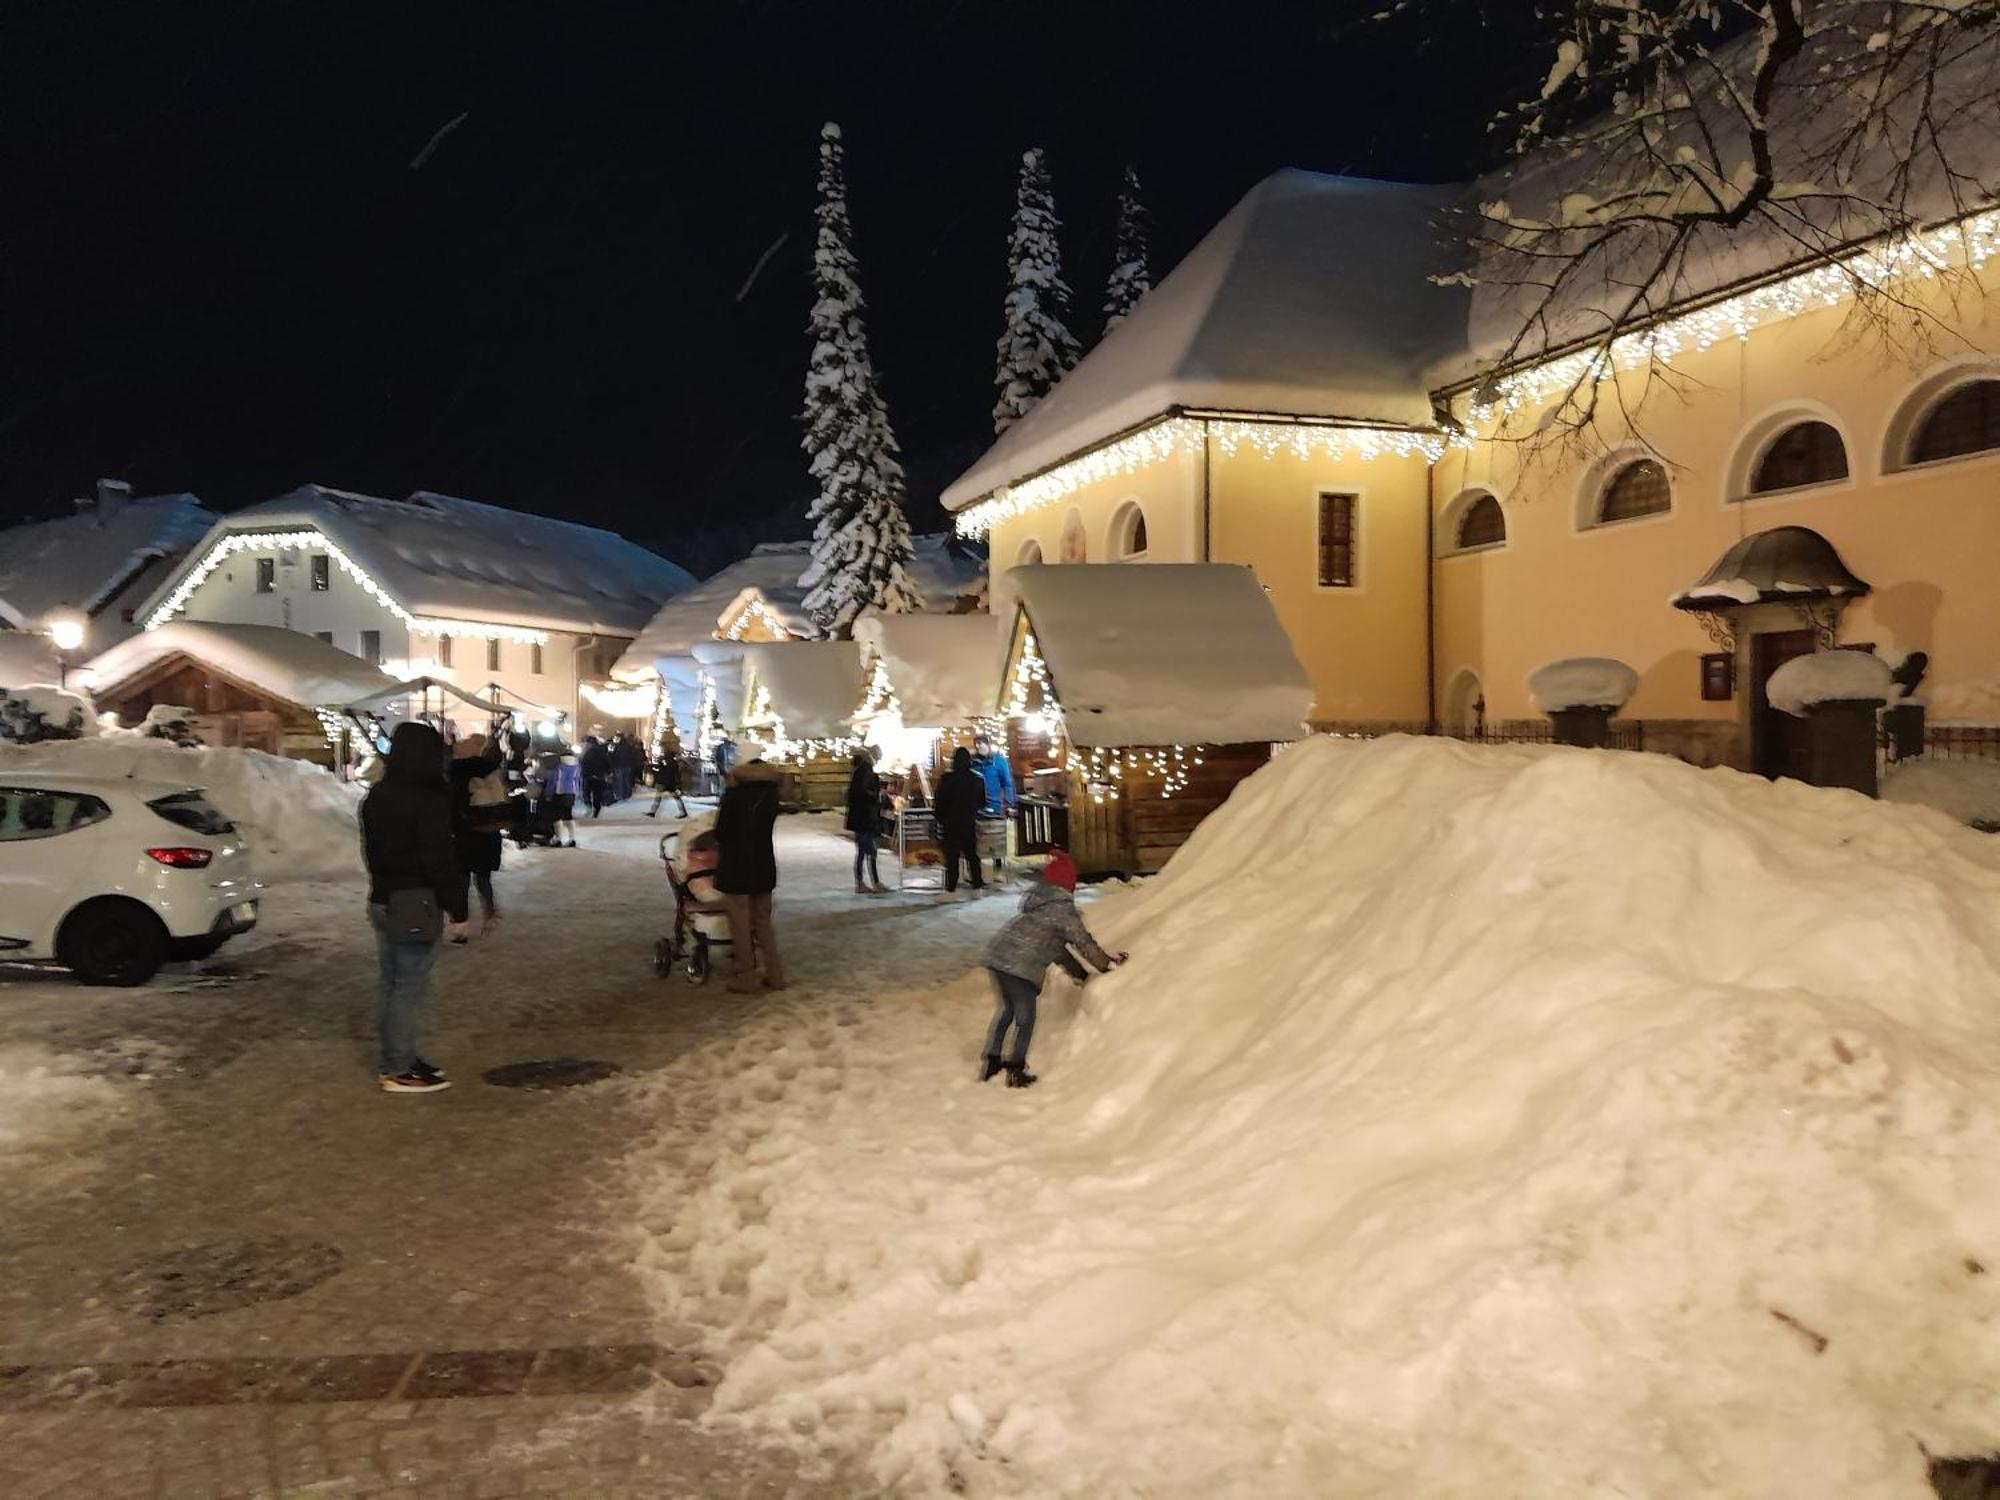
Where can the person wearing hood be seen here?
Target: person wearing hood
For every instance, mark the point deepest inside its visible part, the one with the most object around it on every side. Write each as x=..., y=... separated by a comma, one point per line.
x=960, y=794
x=864, y=821
x=746, y=873
x=1044, y=932
x=414, y=882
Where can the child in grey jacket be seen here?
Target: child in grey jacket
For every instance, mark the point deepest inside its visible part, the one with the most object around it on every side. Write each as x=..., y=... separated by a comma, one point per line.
x=1044, y=932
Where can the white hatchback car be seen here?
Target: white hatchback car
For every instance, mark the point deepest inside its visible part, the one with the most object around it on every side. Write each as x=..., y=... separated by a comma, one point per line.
x=113, y=876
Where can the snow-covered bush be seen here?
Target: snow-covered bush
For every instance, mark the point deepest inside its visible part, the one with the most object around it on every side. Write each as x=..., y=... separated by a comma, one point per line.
x=1582, y=682
x=1830, y=677
x=29, y=715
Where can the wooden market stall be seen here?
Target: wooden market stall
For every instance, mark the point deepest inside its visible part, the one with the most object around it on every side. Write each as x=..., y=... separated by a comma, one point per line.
x=799, y=700
x=930, y=684
x=1155, y=688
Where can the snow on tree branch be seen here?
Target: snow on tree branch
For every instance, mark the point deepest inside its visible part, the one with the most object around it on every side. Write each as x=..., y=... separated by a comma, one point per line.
x=1130, y=276
x=1036, y=348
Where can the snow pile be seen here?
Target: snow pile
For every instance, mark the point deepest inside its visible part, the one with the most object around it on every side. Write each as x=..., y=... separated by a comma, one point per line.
x=1593, y=1125
x=26, y=656
x=297, y=818
x=43, y=712
x=1582, y=682
x=1968, y=790
x=1830, y=677
x=45, y=1099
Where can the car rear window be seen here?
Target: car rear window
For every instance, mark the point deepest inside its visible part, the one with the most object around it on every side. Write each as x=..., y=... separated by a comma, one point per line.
x=193, y=811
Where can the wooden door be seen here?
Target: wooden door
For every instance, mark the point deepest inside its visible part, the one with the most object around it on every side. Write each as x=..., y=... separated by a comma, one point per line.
x=1777, y=739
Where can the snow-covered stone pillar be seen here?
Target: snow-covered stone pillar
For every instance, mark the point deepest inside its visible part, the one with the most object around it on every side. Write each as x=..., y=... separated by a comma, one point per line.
x=1580, y=694
x=1838, y=694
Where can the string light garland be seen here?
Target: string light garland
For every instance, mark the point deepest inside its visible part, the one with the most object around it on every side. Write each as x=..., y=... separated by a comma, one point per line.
x=879, y=698
x=663, y=714
x=271, y=541
x=707, y=718
x=756, y=611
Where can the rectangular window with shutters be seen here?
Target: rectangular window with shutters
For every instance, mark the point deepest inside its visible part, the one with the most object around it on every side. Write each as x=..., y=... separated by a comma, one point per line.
x=493, y=653
x=1337, y=540
x=267, y=574
x=371, y=646
x=322, y=575
x=444, y=650
x=535, y=658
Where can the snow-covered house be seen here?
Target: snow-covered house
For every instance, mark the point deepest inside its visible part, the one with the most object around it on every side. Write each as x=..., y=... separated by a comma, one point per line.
x=799, y=699
x=97, y=562
x=523, y=607
x=930, y=681
x=1136, y=699
x=259, y=686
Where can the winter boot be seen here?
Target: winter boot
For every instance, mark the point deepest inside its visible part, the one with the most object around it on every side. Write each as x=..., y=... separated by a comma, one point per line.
x=860, y=889
x=879, y=888
x=1018, y=1076
x=988, y=1068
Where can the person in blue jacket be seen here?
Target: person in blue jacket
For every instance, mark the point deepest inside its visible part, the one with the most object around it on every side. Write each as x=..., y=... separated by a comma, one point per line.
x=998, y=778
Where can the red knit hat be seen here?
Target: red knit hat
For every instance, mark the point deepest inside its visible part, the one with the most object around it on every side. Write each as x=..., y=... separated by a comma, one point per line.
x=1060, y=870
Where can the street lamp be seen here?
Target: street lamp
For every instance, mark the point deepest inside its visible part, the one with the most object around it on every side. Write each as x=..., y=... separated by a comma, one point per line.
x=66, y=629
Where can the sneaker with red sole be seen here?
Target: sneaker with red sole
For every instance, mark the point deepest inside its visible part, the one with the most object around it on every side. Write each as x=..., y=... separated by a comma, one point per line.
x=411, y=1083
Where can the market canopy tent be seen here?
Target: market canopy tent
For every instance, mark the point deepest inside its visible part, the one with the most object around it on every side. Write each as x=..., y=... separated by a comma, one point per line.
x=1152, y=688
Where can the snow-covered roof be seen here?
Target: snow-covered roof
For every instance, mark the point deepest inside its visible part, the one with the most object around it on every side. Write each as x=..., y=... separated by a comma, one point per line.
x=26, y=656
x=1164, y=653
x=723, y=662
x=1310, y=298
x=101, y=560
x=440, y=556
x=944, y=669
x=815, y=686
x=943, y=569
x=287, y=664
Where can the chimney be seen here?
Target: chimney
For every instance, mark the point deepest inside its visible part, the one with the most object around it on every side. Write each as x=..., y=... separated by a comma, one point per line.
x=112, y=495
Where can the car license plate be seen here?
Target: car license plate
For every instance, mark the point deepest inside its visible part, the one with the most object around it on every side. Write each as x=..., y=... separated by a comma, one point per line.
x=244, y=912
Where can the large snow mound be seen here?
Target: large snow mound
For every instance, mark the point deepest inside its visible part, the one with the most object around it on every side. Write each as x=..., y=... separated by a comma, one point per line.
x=298, y=819
x=1470, y=1121
x=1968, y=790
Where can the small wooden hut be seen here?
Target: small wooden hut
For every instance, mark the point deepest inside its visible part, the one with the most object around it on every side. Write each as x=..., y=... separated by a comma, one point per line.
x=799, y=700
x=930, y=681
x=1142, y=693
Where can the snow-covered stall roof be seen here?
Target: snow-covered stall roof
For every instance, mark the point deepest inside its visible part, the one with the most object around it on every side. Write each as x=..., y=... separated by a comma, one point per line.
x=287, y=664
x=440, y=556
x=1164, y=653
x=1310, y=298
x=815, y=686
x=943, y=568
x=723, y=662
x=101, y=560
x=26, y=657
x=944, y=669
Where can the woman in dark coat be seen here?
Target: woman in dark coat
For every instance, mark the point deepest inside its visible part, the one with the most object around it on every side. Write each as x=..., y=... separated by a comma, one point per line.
x=747, y=872
x=960, y=794
x=864, y=821
x=406, y=839
x=478, y=845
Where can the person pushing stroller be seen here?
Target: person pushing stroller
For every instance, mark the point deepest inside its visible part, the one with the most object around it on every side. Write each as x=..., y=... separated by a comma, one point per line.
x=1043, y=933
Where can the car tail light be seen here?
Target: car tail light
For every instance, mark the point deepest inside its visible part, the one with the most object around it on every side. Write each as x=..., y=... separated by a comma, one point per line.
x=183, y=859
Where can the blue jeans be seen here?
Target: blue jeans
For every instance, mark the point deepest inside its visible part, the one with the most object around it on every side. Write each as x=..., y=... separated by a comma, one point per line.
x=1017, y=998
x=864, y=853
x=405, y=975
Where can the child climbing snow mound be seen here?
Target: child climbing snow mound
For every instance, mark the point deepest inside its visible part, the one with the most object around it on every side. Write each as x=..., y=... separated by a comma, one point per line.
x=1044, y=932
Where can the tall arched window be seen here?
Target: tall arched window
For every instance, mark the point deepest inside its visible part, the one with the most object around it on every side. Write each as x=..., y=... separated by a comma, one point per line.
x=1128, y=531
x=1966, y=421
x=1804, y=453
x=1639, y=488
x=1031, y=552
x=1074, y=548
x=1481, y=524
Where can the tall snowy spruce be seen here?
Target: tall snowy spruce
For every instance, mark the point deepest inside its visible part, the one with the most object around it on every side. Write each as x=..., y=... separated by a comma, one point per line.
x=861, y=536
x=1036, y=350
x=1130, y=278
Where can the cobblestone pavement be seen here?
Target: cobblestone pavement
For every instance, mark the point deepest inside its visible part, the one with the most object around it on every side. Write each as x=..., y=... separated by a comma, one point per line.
x=265, y=1277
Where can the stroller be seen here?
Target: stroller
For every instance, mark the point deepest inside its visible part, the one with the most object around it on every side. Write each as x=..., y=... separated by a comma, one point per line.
x=701, y=922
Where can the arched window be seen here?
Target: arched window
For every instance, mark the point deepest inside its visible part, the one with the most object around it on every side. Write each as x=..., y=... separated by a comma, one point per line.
x=1128, y=531
x=1640, y=488
x=1966, y=421
x=1031, y=552
x=1074, y=548
x=1481, y=524
x=1804, y=453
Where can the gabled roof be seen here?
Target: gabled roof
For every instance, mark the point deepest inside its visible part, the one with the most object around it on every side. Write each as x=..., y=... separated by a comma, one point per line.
x=440, y=556
x=944, y=669
x=287, y=664
x=1164, y=653
x=943, y=569
x=1311, y=298
x=99, y=560
x=815, y=686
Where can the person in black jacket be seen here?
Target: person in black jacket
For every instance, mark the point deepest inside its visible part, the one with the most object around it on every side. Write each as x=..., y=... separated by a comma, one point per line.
x=595, y=764
x=406, y=839
x=474, y=758
x=864, y=821
x=747, y=872
x=961, y=792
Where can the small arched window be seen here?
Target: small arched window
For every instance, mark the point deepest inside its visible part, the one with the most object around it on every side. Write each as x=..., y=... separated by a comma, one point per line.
x=1638, y=489
x=1074, y=548
x=1804, y=453
x=1965, y=421
x=1031, y=552
x=1482, y=524
x=1128, y=532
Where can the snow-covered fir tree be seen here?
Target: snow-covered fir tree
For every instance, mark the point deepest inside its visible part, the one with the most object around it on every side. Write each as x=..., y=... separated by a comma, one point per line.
x=861, y=536
x=1036, y=349
x=1130, y=278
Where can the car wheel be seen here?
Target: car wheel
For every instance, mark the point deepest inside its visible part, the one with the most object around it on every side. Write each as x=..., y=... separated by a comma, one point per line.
x=195, y=949
x=113, y=942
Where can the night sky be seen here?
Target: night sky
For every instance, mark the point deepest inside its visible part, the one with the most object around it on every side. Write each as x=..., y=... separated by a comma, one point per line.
x=221, y=272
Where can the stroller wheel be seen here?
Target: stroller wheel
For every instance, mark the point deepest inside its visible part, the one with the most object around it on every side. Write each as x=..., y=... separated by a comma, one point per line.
x=697, y=962
x=663, y=957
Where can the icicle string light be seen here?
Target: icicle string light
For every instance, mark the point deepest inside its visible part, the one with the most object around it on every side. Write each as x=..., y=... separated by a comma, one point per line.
x=272, y=541
x=754, y=612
